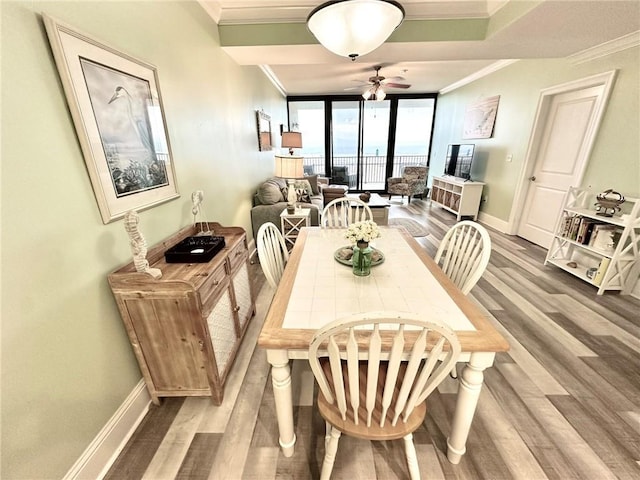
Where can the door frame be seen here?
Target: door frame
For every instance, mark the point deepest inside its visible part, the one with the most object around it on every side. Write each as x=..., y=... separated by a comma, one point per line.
x=605, y=79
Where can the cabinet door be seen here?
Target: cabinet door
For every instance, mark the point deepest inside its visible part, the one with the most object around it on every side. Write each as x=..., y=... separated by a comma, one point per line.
x=169, y=342
x=242, y=291
x=222, y=330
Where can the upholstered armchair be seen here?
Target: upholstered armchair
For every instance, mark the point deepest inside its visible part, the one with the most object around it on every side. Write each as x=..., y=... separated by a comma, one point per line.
x=412, y=182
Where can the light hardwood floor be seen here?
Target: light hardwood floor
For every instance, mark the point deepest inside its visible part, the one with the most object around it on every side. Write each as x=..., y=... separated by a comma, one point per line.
x=563, y=403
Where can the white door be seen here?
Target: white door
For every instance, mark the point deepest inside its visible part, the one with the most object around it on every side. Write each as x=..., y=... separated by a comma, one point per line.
x=567, y=125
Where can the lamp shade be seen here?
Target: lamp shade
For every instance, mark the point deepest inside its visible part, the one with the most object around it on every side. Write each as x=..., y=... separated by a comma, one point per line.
x=288, y=166
x=291, y=140
x=351, y=28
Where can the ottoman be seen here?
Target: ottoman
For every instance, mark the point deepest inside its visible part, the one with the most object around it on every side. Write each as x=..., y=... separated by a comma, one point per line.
x=331, y=192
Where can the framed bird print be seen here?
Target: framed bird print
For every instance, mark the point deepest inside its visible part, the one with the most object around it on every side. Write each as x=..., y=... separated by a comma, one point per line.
x=118, y=116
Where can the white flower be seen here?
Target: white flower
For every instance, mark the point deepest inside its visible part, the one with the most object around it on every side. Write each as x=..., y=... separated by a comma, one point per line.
x=362, y=231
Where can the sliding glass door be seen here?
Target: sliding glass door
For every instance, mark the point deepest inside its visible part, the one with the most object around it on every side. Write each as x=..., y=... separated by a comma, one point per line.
x=375, y=142
x=414, y=121
x=345, y=142
x=361, y=143
x=308, y=118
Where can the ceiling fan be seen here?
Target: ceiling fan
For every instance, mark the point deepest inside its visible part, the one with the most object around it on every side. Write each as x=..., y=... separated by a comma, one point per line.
x=377, y=85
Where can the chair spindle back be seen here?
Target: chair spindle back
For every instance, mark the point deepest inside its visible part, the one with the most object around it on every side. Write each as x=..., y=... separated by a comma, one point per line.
x=272, y=252
x=397, y=378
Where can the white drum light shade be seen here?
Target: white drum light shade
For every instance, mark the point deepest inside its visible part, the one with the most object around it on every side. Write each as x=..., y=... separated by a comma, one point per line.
x=351, y=28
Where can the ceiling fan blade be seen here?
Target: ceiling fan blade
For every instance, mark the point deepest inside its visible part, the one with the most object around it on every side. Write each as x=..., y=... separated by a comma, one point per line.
x=396, y=79
x=396, y=85
x=354, y=88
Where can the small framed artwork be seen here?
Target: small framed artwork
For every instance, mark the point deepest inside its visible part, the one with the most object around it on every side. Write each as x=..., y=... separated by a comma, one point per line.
x=117, y=112
x=480, y=118
x=263, y=122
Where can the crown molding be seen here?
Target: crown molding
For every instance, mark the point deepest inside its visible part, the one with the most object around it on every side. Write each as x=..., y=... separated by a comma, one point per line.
x=608, y=48
x=273, y=79
x=249, y=12
x=494, y=67
x=213, y=8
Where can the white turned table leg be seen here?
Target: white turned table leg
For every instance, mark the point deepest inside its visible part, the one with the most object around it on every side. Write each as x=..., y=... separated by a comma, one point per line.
x=282, y=394
x=468, y=394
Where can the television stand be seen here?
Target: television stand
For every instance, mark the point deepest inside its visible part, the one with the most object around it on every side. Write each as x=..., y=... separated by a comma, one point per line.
x=457, y=195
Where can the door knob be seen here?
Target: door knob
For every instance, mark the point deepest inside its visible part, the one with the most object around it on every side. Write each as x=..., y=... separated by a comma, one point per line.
x=532, y=178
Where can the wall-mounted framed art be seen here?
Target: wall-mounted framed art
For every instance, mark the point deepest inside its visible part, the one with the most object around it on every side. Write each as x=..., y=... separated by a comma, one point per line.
x=263, y=122
x=117, y=112
x=480, y=118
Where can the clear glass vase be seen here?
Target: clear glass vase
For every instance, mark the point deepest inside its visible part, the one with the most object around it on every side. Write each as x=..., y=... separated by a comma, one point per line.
x=361, y=259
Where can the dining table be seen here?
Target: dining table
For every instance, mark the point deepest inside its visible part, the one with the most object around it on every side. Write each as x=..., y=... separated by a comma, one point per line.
x=316, y=289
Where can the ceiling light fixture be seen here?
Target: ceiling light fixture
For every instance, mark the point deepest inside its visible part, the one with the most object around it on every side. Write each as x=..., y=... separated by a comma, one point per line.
x=351, y=28
x=375, y=93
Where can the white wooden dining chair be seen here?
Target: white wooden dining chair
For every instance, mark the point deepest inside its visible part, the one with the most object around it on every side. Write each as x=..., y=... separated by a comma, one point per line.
x=272, y=252
x=342, y=212
x=464, y=253
x=371, y=385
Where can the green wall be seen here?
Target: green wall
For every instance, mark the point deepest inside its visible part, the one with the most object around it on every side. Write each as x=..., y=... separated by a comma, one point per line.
x=66, y=361
x=615, y=159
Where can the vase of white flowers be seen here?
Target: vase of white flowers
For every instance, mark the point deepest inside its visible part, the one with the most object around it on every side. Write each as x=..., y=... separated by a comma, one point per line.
x=360, y=234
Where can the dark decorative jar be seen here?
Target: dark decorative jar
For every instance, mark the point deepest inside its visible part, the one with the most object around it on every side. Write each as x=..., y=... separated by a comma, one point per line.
x=365, y=197
x=361, y=259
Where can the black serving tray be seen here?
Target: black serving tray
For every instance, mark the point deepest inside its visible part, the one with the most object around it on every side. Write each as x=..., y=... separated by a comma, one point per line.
x=199, y=249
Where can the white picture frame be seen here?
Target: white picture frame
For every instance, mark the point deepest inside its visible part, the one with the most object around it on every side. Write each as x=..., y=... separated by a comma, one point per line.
x=480, y=118
x=117, y=112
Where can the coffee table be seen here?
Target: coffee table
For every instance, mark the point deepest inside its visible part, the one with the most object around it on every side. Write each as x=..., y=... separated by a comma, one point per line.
x=379, y=207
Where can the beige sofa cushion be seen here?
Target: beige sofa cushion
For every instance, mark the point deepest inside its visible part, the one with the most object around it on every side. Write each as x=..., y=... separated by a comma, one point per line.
x=270, y=192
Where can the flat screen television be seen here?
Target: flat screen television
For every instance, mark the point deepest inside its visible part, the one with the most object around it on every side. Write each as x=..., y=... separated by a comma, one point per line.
x=459, y=159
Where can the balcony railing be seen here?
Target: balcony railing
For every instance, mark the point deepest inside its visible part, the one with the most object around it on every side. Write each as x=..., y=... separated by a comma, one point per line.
x=373, y=167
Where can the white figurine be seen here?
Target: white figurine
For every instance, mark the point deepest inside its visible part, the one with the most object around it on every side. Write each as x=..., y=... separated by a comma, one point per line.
x=196, y=208
x=138, y=245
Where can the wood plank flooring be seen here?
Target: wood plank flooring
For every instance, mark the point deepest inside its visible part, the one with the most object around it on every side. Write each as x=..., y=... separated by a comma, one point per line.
x=563, y=403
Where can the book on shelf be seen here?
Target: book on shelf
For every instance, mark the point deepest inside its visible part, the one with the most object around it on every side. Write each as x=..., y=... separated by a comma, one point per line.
x=602, y=269
x=587, y=226
x=570, y=226
x=605, y=238
x=584, y=230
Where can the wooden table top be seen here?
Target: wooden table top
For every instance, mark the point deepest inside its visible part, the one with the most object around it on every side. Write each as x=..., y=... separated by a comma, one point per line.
x=315, y=289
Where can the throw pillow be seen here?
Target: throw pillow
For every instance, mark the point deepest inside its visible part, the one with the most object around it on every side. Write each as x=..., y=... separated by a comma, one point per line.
x=312, y=179
x=269, y=193
x=303, y=195
x=303, y=185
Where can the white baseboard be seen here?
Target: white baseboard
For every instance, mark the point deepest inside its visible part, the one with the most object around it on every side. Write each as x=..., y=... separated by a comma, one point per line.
x=105, y=448
x=494, y=222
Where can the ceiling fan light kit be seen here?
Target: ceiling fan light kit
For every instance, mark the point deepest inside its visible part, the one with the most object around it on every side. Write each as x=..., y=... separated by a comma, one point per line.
x=376, y=91
x=351, y=28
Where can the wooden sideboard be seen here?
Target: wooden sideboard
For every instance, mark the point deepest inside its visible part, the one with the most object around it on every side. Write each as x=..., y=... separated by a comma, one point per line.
x=186, y=327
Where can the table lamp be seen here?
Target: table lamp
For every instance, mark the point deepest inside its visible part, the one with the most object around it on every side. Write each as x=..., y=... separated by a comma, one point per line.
x=290, y=166
x=291, y=140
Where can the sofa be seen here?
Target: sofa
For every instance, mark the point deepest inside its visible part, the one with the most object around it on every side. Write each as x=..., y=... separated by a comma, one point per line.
x=270, y=199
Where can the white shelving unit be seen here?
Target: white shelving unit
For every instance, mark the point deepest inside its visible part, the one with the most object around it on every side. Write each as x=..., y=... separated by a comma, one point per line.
x=457, y=195
x=613, y=268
